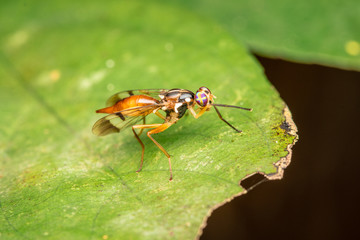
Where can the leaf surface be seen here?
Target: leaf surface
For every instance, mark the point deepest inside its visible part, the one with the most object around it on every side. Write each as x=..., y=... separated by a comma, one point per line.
x=62, y=60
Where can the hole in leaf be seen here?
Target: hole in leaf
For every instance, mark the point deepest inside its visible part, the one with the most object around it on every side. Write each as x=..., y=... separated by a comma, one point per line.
x=253, y=180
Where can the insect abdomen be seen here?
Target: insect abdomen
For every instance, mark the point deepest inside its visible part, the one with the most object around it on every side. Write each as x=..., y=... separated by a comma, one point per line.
x=130, y=102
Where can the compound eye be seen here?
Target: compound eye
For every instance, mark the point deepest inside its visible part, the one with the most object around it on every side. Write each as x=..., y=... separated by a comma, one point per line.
x=201, y=98
x=204, y=89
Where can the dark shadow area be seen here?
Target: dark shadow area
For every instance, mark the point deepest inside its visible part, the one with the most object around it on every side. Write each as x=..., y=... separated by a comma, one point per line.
x=252, y=181
x=318, y=198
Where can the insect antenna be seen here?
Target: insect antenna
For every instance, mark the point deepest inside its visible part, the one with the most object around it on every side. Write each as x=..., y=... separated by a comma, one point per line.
x=219, y=114
x=231, y=106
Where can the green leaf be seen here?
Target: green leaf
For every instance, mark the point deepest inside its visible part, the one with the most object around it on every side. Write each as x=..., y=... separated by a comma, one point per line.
x=322, y=32
x=62, y=60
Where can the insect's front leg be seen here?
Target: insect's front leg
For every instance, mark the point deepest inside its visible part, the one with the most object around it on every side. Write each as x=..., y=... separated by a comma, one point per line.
x=197, y=115
x=192, y=111
x=219, y=114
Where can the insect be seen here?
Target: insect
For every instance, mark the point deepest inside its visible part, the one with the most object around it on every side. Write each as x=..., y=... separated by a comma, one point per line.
x=128, y=108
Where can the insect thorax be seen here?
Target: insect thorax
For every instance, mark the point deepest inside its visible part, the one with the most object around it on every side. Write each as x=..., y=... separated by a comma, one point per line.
x=178, y=101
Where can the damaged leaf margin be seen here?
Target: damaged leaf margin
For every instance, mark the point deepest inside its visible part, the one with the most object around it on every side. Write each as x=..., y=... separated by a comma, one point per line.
x=290, y=128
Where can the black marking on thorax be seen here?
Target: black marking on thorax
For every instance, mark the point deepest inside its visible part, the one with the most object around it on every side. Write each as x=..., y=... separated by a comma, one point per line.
x=182, y=110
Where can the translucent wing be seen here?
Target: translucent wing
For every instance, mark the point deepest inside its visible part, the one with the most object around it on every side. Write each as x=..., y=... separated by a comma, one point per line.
x=118, y=121
x=124, y=94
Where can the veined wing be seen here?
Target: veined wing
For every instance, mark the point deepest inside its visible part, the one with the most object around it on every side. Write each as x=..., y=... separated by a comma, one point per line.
x=124, y=94
x=118, y=121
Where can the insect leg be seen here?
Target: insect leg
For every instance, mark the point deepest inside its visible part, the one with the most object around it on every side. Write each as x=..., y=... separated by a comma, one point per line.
x=141, y=143
x=217, y=111
x=197, y=115
x=142, y=129
x=159, y=129
x=192, y=111
x=159, y=115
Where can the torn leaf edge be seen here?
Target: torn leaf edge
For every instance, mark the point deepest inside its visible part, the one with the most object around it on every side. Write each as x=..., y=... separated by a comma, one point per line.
x=280, y=165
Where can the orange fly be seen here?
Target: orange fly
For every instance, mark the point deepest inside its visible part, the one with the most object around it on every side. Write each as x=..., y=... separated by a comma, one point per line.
x=127, y=108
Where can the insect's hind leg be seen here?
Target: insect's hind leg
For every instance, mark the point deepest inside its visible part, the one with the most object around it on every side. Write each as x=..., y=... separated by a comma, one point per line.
x=142, y=127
